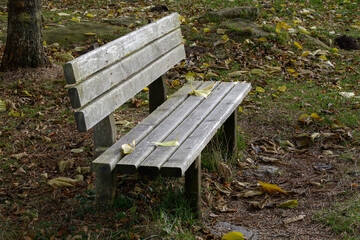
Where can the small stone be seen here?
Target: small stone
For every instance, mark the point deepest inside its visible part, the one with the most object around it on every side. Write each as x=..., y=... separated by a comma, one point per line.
x=272, y=170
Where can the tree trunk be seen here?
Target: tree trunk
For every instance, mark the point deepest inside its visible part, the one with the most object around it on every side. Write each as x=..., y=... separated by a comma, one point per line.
x=24, y=43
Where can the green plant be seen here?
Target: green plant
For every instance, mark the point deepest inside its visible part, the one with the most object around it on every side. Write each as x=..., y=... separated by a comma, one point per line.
x=343, y=218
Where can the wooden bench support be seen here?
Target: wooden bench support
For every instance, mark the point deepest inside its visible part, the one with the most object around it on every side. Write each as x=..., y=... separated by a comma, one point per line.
x=105, y=182
x=193, y=186
x=230, y=136
x=157, y=93
x=104, y=134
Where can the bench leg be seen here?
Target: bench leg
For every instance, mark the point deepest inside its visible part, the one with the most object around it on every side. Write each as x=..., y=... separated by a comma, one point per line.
x=105, y=187
x=230, y=133
x=157, y=93
x=193, y=185
x=104, y=134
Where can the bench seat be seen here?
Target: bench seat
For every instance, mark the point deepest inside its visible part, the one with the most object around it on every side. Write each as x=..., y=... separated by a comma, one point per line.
x=194, y=119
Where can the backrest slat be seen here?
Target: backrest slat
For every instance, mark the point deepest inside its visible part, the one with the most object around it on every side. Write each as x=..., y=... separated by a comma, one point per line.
x=97, y=84
x=85, y=65
x=101, y=107
x=105, y=78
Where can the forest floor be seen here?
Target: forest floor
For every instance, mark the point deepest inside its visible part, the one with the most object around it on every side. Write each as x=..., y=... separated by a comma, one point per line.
x=299, y=129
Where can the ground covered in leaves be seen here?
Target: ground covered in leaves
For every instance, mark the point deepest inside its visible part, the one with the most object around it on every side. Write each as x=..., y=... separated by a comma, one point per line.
x=296, y=175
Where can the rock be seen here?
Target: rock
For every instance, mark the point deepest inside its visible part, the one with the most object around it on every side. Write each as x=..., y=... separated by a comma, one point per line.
x=126, y=21
x=230, y=13
x=244, y=28
x=316, y=41
x=222, y=228
x=75, y=32
x=272, y=170
x=64, y=57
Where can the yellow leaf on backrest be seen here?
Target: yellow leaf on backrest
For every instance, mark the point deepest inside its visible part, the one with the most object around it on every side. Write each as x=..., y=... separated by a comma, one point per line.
x=271, y=188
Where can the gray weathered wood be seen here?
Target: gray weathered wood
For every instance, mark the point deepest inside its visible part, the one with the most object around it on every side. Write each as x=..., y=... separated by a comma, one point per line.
x=180, y=161
x=152, y=164
x=130, y=162
x=112, y=155
x=88, y=116
x=86, y=91
x=105, y=183
x=86, y=65
x=157, y=93
x=230, y=131
x=104, y=134
x=193, y=186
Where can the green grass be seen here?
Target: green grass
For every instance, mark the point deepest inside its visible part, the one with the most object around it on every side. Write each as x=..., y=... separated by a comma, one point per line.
x=343, y=218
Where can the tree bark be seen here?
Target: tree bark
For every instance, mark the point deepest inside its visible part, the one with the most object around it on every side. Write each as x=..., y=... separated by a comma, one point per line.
x=24, y=43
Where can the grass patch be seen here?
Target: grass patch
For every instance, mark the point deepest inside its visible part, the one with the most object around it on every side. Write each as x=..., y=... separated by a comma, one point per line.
x=343, y=218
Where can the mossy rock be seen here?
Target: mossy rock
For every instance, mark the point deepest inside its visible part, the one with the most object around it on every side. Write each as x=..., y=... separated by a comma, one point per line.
x=244, y=29
x=76, y=32
x=250, y=13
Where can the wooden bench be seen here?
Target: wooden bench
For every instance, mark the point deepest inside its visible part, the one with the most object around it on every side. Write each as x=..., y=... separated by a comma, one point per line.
x=105, y=78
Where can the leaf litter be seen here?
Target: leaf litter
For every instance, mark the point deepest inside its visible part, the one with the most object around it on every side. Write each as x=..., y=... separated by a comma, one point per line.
x=304, y=158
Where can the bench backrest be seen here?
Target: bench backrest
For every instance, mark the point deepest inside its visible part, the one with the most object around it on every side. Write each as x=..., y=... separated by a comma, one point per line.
x=105, y=78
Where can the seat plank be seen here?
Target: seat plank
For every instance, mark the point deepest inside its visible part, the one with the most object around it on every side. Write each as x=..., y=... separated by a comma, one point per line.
x=151, y=165
x=86, y=91
x=130, y=162
x=107, y=161
x=92, y=113
x=180, y=161
x=85, y=65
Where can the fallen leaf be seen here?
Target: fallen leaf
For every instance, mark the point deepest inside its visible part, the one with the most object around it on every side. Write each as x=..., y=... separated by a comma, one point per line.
x=127, y=148
x=190, y=76
x=282, y=89
x=62, y=182
x=204, y=92
x=316, y=117
x=260, y=89
x=3, y=107
x=77, y=150
x=270, y=188
x=75, y=19
x=258, y=71
x=323, y=57
x=298, y=45
x=347, y=94
x=233, y=236
x=237, y=73
x=288, y=204
x=250, y=193
x=90, y=34
x=63, y=165
x=305, y=119
x=62, y=14
x=169, y=143
x=294, y=219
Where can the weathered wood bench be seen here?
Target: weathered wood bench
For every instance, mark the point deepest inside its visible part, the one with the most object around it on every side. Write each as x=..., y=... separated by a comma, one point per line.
x=105, y=78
